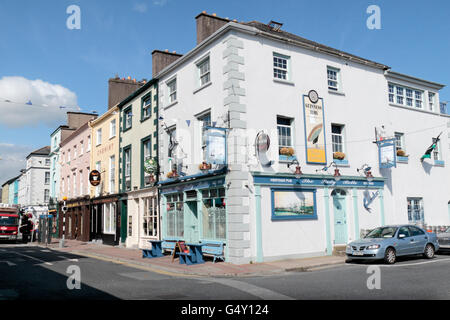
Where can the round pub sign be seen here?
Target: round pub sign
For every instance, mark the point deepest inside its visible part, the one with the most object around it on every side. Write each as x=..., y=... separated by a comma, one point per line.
x=94, y=178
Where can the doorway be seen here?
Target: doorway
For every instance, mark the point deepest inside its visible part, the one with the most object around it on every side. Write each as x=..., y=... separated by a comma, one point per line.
x=340, y=216
x=191, y=229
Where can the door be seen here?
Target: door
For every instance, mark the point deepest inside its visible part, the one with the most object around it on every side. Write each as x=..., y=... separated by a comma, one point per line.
x=405, y=244
x=420, y=239
x=340, y=220
x=191, y=233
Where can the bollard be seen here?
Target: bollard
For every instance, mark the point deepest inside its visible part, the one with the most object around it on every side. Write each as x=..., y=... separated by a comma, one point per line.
x=61, y=243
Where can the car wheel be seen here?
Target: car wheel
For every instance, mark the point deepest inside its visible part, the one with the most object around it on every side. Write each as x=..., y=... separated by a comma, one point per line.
x=429, y=251
x=389, y=256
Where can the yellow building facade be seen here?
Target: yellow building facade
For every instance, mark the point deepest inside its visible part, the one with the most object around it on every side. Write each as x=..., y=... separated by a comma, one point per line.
x=104, y=144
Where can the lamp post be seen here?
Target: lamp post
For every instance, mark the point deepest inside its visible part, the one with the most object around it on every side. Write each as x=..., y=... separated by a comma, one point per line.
x=64, y=210
x=366, y=170
x=336, y=175
x=298, y=171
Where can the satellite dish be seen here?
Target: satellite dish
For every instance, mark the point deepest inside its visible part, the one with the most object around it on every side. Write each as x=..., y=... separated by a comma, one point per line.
x=262, y=144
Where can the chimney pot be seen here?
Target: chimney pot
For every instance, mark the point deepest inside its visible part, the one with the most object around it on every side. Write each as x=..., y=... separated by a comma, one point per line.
x=214, y=14
x=167, y=50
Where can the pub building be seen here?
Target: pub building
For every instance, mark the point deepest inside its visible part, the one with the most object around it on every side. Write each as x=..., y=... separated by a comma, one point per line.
x=105, y=214
x=346, y=153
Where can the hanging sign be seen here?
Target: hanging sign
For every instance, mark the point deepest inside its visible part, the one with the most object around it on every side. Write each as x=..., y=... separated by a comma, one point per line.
x=387, y=153
x=216, y=145
x=94, y=178
x=314, y=128
x=262, y=144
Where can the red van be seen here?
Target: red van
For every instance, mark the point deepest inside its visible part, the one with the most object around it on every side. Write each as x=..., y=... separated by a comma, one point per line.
x=9, y=223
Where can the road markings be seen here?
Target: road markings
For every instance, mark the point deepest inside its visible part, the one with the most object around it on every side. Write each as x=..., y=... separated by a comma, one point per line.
x=400, y=264
x=9, y=263
x=262, y=293
x=68, y=259
x=137, y=266
x=33, y=258
x=45, y=250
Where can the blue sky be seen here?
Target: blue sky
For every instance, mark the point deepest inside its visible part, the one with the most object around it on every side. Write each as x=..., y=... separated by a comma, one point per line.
x=117, y=37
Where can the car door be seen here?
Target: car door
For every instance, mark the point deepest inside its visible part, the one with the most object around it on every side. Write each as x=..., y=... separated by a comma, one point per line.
x=419, y=239
x=404, y=245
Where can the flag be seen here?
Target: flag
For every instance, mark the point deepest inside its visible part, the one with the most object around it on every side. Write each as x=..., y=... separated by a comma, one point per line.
x=427, y=154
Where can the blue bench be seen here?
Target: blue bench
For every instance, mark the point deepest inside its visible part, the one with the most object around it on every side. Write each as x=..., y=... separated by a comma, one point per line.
x=155, y=252
x=169, y=244
x=213, y=248
x=194, y=256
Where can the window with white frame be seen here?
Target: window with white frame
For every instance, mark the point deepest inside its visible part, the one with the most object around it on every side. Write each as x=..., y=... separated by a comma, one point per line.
x=172, y=90
x=74, y=152
x=415, y=211
x=280, y=66
x=68, y=155
x=112, y=174
x=89, y=144
x=127, y=155
x=74, y=185
x=80, y=174
x=46, y=195
x=337, y=138
x=81, y=147
x=112, y=128
x=99, y=136
x=437, y=150
x=399, y=141
x=284, y=127
x=150, y=217
x=62, y=186
x=205, y=119
x=147, y=149
x=146, y=106
x=47, y=177
x=109, y=218
x=405, y=96
x=68, y=186
x=204, y=71
x=47, y=162
x=431, y=101
x=333, y=75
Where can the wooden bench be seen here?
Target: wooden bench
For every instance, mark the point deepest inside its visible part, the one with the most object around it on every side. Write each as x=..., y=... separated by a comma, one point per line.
x=213, y=248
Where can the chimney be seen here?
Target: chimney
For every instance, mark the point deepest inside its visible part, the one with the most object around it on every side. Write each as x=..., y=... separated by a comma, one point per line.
x=119, y=89
x=161, y=59
x=208, y=24
x=77, y=119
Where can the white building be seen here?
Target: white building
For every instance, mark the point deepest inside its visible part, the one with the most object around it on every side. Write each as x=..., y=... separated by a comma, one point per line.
x=251, y=78
x=34, y=183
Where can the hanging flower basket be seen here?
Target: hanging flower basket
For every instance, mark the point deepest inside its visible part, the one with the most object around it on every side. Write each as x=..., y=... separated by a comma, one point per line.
x=151, y=166
x=172, y=174
x=338, y=155
x=205, y=166
x=287, y=151
x=401, y=153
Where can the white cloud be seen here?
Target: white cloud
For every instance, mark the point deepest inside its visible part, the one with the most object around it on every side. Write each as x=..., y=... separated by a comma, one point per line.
x=140, y=7
x=160, y=2
x=46, y=99
x=12, y=160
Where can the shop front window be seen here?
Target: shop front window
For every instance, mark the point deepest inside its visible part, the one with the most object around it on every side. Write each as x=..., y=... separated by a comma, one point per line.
x=175, y=215
x=214, y=214
x=150, y=218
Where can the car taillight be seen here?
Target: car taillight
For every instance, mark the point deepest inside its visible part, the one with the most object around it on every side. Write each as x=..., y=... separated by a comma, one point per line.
x=15, y=232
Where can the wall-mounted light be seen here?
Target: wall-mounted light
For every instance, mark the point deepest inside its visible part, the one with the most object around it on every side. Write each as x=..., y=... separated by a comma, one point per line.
x=298, y=171
x=366, y=170
x=336, y=175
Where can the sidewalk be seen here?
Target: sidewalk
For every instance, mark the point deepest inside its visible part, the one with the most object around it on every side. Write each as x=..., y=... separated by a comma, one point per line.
x=165, y=264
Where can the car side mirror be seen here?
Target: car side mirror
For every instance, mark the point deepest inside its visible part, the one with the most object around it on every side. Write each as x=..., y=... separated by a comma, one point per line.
x=401, y=235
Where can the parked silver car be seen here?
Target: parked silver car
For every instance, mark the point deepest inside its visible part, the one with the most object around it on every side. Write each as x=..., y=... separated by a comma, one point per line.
x=444, y=240
x=390, y=242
